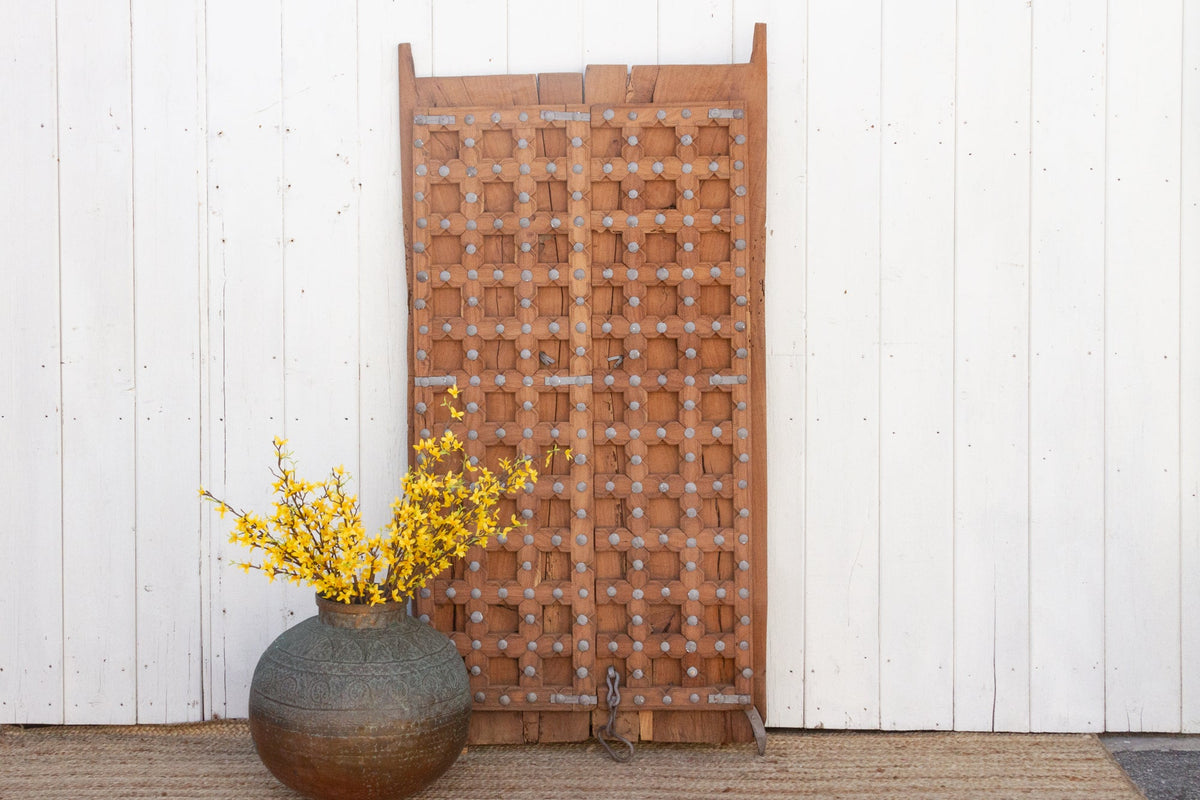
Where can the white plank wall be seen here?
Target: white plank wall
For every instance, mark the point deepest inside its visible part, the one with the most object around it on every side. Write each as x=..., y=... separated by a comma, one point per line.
x=1189, y=367
x=991, y=368
x=916, y=392
x=95, y=241
x=983, y=346
x=1142, y=389
x=1066, y=369
x=167, y=185
x=31, y=652
x=841, y=558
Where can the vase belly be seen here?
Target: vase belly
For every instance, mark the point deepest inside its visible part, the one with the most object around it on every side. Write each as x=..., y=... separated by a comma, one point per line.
x=343, y=711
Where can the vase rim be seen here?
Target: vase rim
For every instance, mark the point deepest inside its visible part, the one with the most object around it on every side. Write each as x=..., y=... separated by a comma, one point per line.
x=359, y=615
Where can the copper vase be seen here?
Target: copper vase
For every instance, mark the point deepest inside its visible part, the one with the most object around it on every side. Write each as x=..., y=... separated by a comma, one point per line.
x=360, y=702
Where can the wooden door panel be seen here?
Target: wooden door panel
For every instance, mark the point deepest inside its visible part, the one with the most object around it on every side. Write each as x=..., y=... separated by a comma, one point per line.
x=586, y=275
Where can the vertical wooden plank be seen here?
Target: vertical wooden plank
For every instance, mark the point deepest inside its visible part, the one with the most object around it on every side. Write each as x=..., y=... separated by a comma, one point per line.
x=166, y=171
x=1189, y=367
x=31, y=675
x=320, y=232
x=842, y=495
x=245, y=176
x=1066, y=404
x=785, y=341
x=745, y=14
x=535, y=46
x=916, y=527
x=620, y=32
x=1142, y=237
x=469, y=37
x=695, y=31
x=991, y=369
x=383, y=294
x=97, y=352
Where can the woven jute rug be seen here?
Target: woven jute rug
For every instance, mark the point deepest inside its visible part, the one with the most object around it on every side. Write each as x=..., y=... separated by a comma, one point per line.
x=215, y=760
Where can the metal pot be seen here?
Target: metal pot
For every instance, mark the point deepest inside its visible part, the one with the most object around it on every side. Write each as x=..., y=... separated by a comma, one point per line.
x=360, y=702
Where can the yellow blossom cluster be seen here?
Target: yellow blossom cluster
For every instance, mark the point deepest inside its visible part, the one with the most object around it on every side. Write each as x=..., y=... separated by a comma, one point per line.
x=315, y=533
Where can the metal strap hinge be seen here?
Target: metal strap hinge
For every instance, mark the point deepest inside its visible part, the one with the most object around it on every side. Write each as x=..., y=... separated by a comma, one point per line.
x=433, y=119
x=729, y=699
x=726, y=113
x=726, y=380
x=558, y=380
x=436, y=380
x=566, y=116
x=574, y=699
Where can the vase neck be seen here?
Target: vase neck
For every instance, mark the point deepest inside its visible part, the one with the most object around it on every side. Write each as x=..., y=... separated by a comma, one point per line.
x=345, y=615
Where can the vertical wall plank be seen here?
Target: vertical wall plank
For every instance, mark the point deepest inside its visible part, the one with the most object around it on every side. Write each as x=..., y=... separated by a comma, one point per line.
x=383, y=294
x=470, y=37
x=785, y=360
x=841, y=521
x=246, y=346
x=31, y=676
x=98, y=380
x=534, y=46
x=695, y=31
x=166, y=253
x=1142, y=504
x=620, y=32
x=991, y=488
x=1189, y=401
x=320, y=232
x=1066, y=404
x=916, y=527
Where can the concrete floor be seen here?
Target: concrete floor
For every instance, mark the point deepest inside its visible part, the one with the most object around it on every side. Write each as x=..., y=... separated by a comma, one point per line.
x=1163, y=767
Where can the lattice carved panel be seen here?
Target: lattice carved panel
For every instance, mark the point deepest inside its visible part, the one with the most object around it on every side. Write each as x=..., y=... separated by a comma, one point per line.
x=586, y=275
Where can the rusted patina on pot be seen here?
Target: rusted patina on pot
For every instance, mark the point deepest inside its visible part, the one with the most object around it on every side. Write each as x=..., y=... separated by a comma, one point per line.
x=360, y=702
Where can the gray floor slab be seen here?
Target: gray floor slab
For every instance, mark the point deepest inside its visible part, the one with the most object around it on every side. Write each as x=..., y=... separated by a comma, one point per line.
x=1163, y=767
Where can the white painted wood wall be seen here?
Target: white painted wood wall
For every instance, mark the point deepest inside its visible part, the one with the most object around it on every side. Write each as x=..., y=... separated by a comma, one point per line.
x=983, y=335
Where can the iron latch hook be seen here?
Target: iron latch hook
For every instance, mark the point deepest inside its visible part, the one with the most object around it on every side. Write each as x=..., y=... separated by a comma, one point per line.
x=609, y=731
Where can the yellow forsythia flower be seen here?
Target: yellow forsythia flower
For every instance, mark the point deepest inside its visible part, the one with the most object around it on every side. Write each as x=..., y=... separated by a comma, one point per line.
x=315, y=535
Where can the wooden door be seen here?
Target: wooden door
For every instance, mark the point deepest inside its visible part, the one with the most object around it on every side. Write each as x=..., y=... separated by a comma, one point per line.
x=585, y=275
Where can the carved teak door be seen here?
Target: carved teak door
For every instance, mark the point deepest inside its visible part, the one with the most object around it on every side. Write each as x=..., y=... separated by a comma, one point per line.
x=583, y=274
